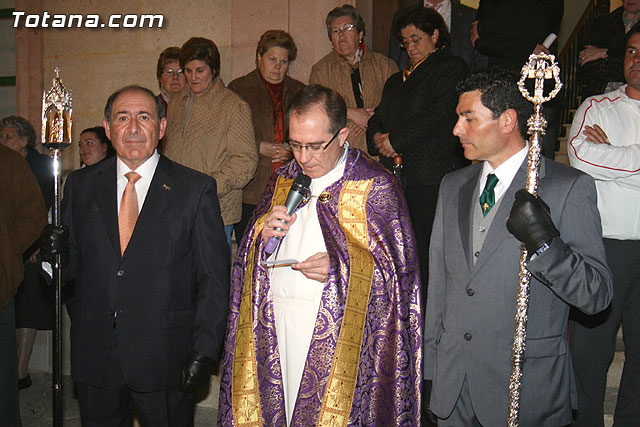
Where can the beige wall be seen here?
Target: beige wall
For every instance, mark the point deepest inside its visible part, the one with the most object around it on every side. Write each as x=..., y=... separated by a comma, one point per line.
x=304, y=19
x=95, y=62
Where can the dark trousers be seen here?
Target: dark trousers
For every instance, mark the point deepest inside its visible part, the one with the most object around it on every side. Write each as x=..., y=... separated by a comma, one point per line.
x=9, y=407
x=422, y=200
x=113, y=403
x=593, y=338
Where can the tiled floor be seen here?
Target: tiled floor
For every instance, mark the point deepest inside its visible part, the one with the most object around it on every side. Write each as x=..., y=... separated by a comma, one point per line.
x=36, y=406
x=36, y=401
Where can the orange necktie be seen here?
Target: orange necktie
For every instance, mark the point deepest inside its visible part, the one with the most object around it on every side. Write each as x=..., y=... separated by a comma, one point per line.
x=128, y=210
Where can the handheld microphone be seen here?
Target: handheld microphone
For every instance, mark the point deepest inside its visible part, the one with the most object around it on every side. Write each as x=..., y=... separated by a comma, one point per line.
x=298, y=192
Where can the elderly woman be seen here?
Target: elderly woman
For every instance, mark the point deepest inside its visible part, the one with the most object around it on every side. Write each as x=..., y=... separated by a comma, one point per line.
x=352, y=70
x=170, y=76
x=416, y=117
x=94, y=146
x=34, y=306
x=209, y=128
x=268, y=90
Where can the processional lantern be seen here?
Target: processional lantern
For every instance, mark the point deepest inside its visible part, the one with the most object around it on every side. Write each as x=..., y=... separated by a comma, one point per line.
x=56, y=136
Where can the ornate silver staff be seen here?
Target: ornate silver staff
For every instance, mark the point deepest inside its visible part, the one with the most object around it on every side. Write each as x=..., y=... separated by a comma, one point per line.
x=540, y=67
x=56, y=136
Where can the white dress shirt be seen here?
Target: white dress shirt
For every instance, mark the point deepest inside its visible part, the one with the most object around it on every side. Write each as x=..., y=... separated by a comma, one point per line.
x=505, y=172
x=146, y=172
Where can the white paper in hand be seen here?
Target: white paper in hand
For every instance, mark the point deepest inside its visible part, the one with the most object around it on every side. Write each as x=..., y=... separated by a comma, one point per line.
x=280, y=263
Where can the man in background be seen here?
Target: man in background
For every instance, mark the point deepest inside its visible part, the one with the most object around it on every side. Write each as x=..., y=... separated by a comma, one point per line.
x=605, y=143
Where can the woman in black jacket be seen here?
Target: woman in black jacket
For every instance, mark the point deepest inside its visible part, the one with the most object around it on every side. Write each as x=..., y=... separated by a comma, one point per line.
x=415, y=119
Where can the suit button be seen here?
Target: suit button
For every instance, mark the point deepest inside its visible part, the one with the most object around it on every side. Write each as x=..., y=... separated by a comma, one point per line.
x=120, y=273
x=467, y=336
x=476, y=254
x=470, y=292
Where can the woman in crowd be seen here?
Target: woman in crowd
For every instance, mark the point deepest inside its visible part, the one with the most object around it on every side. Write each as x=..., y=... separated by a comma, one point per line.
x=34, y=304
x=416, y=117
x=94, y=146
x=268, y=90
x=209, y=128
x=170, y=77
x=351, y=69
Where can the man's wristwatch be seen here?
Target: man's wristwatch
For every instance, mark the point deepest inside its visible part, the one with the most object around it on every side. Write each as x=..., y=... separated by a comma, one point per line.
x=541, y=249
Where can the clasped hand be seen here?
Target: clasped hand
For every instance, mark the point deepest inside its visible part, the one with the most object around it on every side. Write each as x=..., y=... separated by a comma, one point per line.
x=381, y=140
x=359, y=118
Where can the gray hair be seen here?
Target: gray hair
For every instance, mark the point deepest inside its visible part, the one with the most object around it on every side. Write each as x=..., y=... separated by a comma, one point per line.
x=345, y=10
x=22, y=127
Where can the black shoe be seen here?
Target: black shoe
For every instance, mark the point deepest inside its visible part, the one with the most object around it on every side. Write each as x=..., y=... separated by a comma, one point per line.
x=24, y=382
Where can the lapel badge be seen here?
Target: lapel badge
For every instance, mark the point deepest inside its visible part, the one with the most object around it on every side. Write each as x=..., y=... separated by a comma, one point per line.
x=166, y=187
x=324, y=197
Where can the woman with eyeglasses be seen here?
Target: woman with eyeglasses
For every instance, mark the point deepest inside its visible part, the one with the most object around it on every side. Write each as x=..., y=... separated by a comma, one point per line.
x=170, y=77
x=209, y=128
x=351, y=69
x=268, y=90
x=416, y=117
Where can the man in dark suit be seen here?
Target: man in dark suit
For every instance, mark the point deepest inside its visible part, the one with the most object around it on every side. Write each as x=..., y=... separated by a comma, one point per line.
x=149, y=254
x=458, y=19
x=474, y=264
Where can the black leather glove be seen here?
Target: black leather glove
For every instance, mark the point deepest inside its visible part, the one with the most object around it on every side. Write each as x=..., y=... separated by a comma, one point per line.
x=530, y=221
x=195, y=372
x=54, y=240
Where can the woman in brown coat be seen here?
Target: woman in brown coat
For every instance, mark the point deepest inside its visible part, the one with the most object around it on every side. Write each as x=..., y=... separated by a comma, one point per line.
x=351, y=69
x=209, y=128
x=268, y=90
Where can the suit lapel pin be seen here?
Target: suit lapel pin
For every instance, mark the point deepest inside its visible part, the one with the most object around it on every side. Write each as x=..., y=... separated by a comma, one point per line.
x=324, y=197
x=166, y=187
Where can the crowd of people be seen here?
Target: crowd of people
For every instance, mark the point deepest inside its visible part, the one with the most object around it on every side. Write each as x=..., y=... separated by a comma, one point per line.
x=367, y=300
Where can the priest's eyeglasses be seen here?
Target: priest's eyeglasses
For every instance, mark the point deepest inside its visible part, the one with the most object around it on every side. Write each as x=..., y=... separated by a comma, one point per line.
x=315, y=147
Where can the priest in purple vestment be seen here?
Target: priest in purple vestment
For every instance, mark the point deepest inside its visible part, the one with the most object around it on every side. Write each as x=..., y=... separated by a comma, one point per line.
x=329, y=335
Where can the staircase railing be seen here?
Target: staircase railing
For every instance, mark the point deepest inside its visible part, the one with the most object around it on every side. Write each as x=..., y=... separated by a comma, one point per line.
x=568, y=58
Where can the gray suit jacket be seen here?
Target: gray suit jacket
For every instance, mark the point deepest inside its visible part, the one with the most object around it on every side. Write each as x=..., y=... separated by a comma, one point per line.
x=470, y=313
x=461, y=19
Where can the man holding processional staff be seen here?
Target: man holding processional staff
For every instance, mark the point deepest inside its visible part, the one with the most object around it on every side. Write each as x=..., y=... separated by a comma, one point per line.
x=474, y=265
